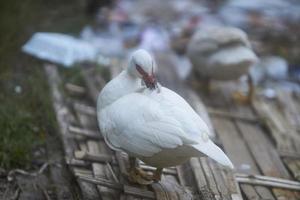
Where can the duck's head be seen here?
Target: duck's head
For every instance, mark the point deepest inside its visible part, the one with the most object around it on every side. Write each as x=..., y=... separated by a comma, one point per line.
x=142, y=65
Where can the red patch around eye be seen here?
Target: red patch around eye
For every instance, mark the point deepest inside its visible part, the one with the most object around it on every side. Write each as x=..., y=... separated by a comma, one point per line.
x=150, y=80
x=141, y=71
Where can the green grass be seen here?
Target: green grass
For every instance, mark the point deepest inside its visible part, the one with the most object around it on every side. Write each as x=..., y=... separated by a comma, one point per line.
x=27, y=117
x=104, y=71
x=72, y=75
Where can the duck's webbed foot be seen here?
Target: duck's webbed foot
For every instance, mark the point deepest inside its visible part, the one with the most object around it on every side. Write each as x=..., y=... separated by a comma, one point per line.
x=137, y=175
x=245, y=98
x=241, y=98
x=157, y=175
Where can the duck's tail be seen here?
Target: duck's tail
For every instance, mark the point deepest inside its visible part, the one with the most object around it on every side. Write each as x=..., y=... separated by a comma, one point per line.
x=214, y=152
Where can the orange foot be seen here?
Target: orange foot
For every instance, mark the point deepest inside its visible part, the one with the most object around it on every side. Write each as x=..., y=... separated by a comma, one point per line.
x=241, y=98
x=137, y=175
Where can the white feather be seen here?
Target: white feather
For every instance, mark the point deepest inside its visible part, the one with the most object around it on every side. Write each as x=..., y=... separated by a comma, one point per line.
x=214, y=152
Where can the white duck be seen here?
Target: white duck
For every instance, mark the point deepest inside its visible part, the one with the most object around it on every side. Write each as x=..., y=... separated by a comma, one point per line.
x=150, y=122
x=222, y=53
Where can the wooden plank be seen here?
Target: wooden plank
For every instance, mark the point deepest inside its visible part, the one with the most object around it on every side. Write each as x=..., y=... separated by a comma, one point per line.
x=289, y=110
x=235, y=146
x=294, y=167
x=94, y=147
x=265, y=147
x=222, y=186
x=88, y=121
x=264, y=193
x=210, y=178
x=264, y=152
x=238, y=153
x=202, y=183
x=288, y=105
x=232, y=184
x=261, y=147
x=249, y=192
x=62, y=112
x=64, y=118
x=275, y=123
x=228, y=115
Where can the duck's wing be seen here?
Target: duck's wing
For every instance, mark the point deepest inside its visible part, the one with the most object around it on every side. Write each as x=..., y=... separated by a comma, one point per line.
x=137, y=124
x=174, y=105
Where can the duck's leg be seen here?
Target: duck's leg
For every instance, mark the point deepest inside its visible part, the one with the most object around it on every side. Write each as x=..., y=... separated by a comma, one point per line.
x=246, y=99
x=207, y=86
x=137, y=175
x=251, y=90
x=202, y=84
x=157, y=174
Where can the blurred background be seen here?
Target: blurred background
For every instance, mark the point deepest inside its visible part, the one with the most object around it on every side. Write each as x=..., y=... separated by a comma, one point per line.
x=71, y=32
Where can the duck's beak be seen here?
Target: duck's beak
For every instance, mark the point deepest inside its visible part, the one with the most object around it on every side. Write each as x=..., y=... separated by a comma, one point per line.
x=150, y=82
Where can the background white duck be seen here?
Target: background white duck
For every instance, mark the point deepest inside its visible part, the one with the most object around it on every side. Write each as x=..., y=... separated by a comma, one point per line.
x=151, y=122
x=221, y=53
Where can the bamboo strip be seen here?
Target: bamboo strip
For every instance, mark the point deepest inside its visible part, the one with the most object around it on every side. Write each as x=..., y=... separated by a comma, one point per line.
x=268, y=181
x=85, y=132
x=126, y=188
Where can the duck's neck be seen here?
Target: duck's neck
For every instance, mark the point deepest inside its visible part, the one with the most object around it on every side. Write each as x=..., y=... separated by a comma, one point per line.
x=118, y=87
